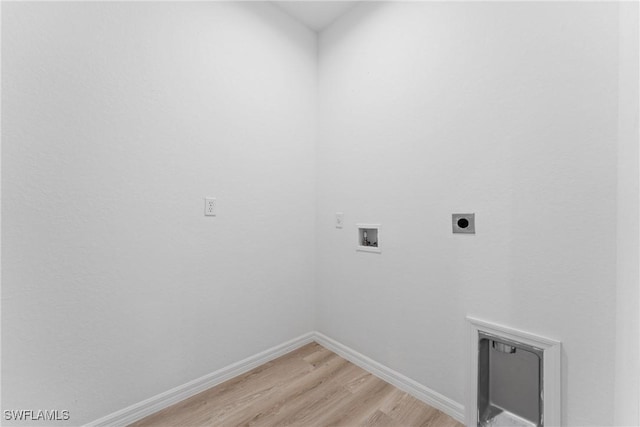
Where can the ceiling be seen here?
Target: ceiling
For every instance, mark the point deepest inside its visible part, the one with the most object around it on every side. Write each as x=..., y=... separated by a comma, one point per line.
x=315, y=14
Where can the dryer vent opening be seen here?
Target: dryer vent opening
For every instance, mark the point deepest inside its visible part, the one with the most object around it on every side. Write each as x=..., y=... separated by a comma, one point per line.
x=510, y=382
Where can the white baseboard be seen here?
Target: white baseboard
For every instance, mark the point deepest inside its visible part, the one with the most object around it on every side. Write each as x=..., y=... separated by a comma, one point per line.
x=415, y=389
x=156, y=403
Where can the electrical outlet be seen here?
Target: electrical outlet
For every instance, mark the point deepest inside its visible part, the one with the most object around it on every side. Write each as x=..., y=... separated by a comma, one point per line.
x=210, y=206
x=464, y=223
x=339, y=219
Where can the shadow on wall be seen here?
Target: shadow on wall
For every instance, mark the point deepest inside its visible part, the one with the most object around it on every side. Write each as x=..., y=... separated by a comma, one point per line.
x=277, y=21
x=351, y=20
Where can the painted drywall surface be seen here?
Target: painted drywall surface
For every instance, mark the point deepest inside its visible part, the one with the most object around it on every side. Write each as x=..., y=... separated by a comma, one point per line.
x=507, y=110
x=627, y=332
x=118, y=119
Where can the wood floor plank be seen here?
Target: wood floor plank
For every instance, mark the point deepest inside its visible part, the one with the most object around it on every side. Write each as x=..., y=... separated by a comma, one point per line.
x=350, y=377
x=440, y=419
x=410, y=411
x=377, y=419
x=304, y=408
x=286, y=391
x=231, y=395
x=318, y=357
x=358, y=406
x=391, y=400
x=310, y=386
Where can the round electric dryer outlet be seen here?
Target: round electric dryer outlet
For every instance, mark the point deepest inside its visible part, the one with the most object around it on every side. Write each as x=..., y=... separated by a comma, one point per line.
x=464, y=223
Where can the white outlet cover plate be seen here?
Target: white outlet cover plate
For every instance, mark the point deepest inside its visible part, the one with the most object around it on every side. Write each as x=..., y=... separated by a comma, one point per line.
x=210, y=206
x=339, y=219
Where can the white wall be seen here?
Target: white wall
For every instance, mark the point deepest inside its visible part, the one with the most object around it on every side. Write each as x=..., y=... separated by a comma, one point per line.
x=627, y=309
x=508, y=110
x=118, y=119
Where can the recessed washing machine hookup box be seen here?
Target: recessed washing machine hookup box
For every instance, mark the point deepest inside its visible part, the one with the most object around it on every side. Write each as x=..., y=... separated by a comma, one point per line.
x=368, y=238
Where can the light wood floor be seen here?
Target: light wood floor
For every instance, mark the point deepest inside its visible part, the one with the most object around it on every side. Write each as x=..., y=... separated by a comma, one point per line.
x=310, y=386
